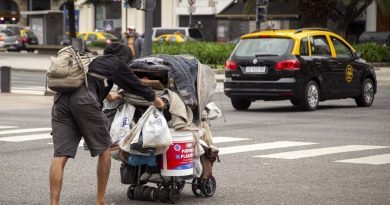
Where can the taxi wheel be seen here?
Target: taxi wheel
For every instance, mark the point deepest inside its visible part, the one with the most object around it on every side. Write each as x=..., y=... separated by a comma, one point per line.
x=312, y=97
x=366, y=97
x=241, y=104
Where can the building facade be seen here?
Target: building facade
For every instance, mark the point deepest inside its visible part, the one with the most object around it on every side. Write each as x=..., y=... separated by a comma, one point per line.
x=219, y=20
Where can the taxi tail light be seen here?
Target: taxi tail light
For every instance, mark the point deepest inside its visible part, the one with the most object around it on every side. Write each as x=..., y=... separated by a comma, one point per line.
x=24, y=40
x=1, y=38
x=290, y=65
x=230, y=65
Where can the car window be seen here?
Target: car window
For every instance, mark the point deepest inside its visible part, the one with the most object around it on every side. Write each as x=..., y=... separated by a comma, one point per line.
x=29, y=34
x=319, y=46
x=342, y=50
x=109, y=36
x=304, y=49
x=8, y=33
x=160, y=32
x=263, y=46
x=81, y=36
x=92, y=37
x=172, y=39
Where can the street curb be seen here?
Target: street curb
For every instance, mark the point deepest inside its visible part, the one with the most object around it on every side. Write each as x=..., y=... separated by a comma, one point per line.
x=28, y=70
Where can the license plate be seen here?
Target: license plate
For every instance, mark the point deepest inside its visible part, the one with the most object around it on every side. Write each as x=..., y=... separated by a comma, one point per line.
x=255, y=69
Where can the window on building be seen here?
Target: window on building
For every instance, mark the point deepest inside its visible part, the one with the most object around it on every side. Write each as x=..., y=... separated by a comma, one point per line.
x=108, y=16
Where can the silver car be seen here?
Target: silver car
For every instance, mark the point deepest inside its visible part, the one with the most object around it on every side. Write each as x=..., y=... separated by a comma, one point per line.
x=9, y=40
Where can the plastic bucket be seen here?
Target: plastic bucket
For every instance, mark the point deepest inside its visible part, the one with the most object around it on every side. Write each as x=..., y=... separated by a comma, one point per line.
x=177, y=160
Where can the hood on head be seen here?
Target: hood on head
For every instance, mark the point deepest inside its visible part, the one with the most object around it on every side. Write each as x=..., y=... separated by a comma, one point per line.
x=120, y=50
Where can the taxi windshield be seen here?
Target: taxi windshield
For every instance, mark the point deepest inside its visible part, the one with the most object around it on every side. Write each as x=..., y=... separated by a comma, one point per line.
x=263, y=47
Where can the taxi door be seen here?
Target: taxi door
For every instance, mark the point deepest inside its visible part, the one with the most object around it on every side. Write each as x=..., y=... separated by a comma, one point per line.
x=321, y=53
x=349, y=72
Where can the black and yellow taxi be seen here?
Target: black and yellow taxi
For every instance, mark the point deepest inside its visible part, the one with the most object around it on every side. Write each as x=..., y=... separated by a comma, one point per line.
x=305, y=66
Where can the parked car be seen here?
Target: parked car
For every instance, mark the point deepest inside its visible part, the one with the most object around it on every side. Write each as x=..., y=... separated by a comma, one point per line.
x=304, y=66
x=12, y=27
x=28, y=38
x=10, y=40
x=185, y=31
x=175, y=38
x=90, y=37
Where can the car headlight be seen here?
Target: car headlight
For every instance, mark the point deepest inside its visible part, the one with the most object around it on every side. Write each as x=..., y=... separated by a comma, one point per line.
x=16, y=41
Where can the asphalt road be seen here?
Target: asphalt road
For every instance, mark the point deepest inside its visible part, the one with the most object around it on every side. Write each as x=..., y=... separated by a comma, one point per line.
x=247, y=174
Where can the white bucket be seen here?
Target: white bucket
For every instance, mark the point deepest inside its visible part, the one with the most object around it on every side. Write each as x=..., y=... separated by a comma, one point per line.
x=177, y=160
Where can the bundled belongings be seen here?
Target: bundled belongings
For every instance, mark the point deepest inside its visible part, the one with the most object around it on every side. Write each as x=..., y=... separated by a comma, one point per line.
x=69, y=69
x=175, y=141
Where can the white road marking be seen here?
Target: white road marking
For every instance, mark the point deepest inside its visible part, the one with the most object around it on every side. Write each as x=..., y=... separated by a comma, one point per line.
x=261, y=146
x=8, y=127
x=374, y=160
x=32, y=90
x=227, y=139
x=320, y=151
x=23, y=138
x=17, y=131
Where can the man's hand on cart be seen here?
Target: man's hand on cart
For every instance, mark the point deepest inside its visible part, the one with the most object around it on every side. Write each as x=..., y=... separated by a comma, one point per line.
x=113, y=96
x=158, y=103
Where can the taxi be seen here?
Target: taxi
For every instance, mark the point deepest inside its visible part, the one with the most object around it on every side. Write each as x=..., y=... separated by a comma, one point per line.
x=305, y=66
x=90, y=37
x=175, y=38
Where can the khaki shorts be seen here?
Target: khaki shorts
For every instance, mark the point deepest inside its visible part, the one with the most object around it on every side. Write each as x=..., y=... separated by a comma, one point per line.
x=75, y=115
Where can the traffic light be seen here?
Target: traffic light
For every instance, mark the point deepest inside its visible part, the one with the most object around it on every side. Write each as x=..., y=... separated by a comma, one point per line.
x=261, y=10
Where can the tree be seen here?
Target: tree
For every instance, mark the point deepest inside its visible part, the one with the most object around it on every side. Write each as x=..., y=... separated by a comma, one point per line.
x=318, y=13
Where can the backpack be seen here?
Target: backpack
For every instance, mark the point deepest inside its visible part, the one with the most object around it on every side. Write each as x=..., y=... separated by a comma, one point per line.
x=68, y=70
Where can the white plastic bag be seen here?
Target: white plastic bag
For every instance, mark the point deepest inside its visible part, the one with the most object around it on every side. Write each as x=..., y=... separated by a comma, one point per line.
x=134, y=136
x=155, y=131
x=121, y=125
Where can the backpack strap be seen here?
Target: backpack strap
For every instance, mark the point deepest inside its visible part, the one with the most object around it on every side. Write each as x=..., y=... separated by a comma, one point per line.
x=100, y=77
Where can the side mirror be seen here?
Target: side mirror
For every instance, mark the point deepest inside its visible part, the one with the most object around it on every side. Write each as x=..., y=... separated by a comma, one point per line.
x=358, y=55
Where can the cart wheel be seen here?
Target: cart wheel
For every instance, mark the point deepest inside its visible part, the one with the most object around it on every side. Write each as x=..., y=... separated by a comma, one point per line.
x=180, y=186
x=196, y=187
x=130, y=192
x=208, y=187
x=163, y=195
x=174, y=195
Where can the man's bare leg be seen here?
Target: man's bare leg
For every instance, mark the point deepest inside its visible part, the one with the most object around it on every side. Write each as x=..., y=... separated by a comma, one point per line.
x=103, y=172
x=56, y=174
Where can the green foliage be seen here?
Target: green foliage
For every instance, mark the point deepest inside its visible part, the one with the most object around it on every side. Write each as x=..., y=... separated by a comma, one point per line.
x=373, y=52
x=207, y=52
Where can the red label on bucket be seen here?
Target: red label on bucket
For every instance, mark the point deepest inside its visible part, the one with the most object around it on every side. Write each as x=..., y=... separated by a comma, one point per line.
x=179, y=156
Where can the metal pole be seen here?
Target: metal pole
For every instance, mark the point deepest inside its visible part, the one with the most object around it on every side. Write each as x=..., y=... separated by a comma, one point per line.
x=5, y=79
x=258, y=23
x=149, y=7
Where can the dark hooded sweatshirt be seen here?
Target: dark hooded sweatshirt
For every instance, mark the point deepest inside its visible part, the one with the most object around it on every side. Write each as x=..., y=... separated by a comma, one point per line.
x=112, y=65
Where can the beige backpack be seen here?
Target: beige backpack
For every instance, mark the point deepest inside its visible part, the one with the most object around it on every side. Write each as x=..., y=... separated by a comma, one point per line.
x=68, y=70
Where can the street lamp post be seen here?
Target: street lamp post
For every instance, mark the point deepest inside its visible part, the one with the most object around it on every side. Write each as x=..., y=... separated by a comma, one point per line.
x=149, y=7
x=190, y=9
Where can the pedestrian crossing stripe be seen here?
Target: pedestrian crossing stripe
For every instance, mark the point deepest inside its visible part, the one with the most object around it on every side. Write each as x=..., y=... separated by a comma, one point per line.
x=321, y=151
x=217, y=140
x=17, y=131
x=261, y=146
x=24, y=138
x=8, y=127
x=373, y=160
